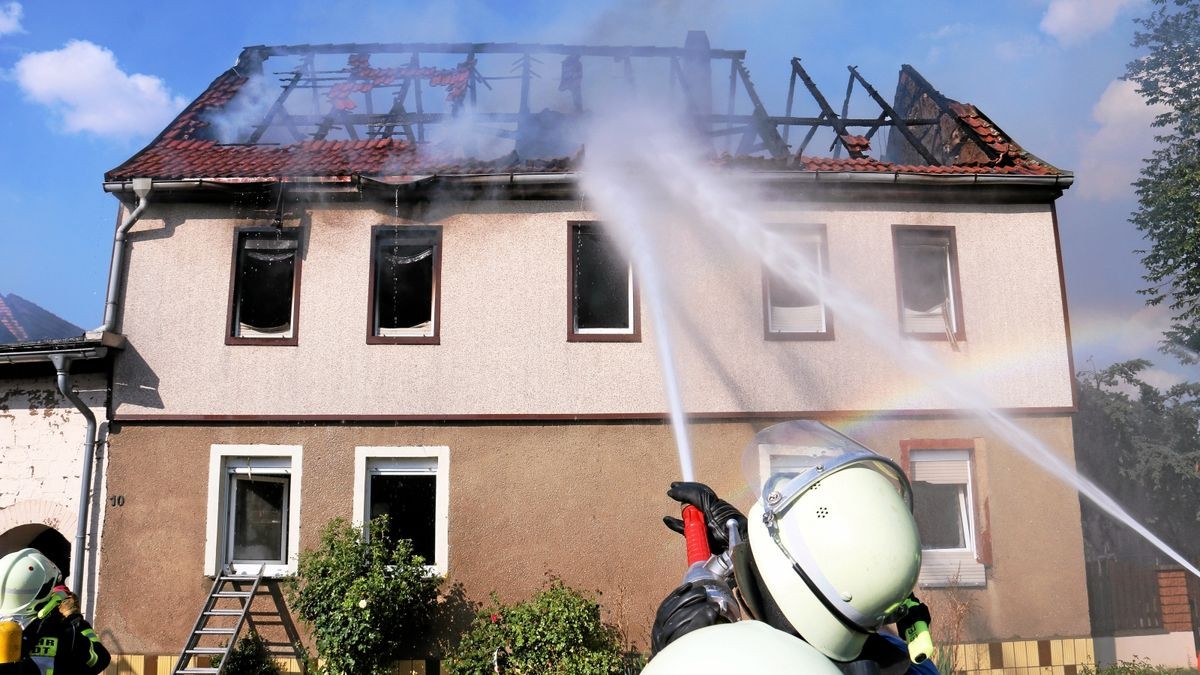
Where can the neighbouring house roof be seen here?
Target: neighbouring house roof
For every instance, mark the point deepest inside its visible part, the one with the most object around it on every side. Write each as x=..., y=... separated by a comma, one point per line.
x=955, y=138
x=24, y=321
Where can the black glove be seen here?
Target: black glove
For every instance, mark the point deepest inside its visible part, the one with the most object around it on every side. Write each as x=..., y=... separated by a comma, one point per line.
x=686, y=609
x=716, y=511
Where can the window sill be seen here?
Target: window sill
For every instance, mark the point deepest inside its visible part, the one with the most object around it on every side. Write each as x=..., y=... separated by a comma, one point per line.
x=263, y=342
x=604, y=337
x=250, y=570
x=404, y=340
x=935, y=337
x=780, y=336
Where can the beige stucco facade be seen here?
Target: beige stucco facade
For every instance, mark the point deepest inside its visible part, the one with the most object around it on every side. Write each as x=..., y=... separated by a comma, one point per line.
x=582, y=501
x=503, y=327
x=559, y=456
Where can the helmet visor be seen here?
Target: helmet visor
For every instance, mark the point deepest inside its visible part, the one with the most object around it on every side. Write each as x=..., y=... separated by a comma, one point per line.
x=786, y=461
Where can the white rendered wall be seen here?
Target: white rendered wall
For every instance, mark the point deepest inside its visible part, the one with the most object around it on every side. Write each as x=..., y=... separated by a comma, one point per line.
x=41, y=460
x=504, y=313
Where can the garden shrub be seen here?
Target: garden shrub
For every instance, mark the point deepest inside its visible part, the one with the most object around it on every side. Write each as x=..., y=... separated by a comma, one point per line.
x=369, y=602
x=250, y=657
x=556, y=632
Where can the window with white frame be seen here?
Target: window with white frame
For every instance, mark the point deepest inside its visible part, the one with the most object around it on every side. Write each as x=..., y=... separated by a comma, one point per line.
x=927, y=280
x=253, y=509
x=943, y=503
x=796, y=309
x=604, y=302
x=411, y=486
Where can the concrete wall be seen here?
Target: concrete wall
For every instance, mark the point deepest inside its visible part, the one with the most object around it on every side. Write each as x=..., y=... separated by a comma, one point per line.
x=504, y=321
x=1175, y=650
x=41, y=458
x=578, y=500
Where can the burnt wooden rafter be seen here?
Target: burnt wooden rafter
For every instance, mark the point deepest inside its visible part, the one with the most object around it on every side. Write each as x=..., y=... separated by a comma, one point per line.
x=899, y=123
x=406, y=116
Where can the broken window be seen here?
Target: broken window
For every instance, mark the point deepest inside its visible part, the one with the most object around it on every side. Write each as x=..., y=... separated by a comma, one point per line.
x=406, y=264
x=603, y=296
x=927, y=275
x=410, y=487
x=795, y=309
x=943, y=505
x=265, y=276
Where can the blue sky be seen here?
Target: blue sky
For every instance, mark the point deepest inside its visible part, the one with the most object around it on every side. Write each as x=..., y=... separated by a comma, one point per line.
x=83, y=85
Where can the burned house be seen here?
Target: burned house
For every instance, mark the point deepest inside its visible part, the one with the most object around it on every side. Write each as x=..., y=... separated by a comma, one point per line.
x=354, y=286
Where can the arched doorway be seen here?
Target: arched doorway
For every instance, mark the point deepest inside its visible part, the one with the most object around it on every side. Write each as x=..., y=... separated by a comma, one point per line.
x=44, y=538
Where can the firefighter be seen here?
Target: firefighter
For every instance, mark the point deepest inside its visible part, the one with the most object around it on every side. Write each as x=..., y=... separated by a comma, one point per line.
x=828, y=556
x=56, y=638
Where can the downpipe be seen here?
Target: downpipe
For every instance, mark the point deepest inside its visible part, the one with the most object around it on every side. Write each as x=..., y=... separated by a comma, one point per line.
x=62, y=364
x=142, y=188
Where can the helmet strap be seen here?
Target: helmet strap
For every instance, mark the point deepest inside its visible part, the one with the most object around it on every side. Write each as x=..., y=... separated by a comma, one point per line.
x=755, y=595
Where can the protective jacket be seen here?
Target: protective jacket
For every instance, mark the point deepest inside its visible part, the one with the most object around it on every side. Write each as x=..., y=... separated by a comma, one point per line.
x=64, y=646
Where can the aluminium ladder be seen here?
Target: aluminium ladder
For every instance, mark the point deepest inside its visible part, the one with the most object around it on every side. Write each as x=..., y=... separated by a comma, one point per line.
x=224, y=587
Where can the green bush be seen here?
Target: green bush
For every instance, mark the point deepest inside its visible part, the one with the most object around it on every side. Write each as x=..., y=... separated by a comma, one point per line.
x=250, y=657
x=369, y=602
x=557, y=632
x=1135, y=667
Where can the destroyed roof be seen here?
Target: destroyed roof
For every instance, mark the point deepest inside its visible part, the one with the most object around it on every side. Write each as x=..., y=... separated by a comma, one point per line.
x=321, y=122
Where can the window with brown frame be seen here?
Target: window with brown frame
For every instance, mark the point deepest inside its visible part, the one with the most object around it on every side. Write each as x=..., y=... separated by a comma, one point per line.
x=265, y=287
x=792, y=309
x=603, y=298
x=404, y=297
x=927, y=283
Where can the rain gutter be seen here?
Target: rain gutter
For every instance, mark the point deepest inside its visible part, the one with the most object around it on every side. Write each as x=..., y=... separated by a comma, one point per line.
x=62, y=364
x=1063, y=180
x=142, y=188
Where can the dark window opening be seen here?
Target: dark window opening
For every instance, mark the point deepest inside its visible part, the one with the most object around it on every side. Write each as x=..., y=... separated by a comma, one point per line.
x=404, y=302
x=259, y=519
x=939, y=509
x=264, y=285
x=409, y=501
x=602, y=284
x=925, y=270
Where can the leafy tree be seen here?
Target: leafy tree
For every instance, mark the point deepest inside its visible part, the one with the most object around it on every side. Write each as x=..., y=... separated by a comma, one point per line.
x=369, y=602
x=1142, y=445
x=557, y=632
x=1168, y=191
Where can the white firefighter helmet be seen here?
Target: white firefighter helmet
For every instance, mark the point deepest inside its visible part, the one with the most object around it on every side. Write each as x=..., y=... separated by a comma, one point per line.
x=742, y=648
x=26, y=580
x=833, y=535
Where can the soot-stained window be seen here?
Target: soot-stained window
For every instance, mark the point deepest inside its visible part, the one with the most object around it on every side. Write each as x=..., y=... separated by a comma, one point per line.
x=927, y=276
x=264, y=289
x=408, y=501
x=603, y=295
x=794, y=303
x=406, y=264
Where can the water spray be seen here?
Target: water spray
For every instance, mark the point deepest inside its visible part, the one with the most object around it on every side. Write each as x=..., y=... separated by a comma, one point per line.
x=655, y=169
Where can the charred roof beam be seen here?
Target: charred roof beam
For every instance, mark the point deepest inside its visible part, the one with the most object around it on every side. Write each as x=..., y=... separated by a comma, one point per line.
x=826, y=111
x=896, y=119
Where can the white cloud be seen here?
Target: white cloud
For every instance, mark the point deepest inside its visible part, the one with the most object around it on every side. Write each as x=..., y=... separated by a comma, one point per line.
x=1073, y=21
x=10, y=18
x=82, y=83
x=1110, y=158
